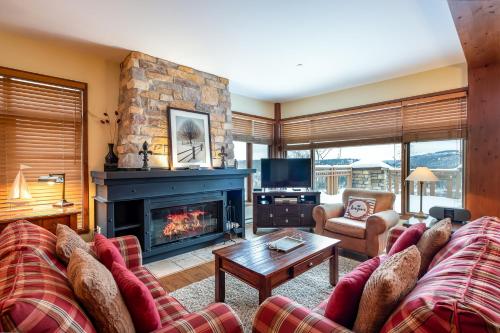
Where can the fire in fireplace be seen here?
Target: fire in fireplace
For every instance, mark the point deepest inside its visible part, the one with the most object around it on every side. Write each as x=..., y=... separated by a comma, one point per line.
x=171, y=224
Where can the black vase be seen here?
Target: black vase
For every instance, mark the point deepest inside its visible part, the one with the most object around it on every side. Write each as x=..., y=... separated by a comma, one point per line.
x=111, y=160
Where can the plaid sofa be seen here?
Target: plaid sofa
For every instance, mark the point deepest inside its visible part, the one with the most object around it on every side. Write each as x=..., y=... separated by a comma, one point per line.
x=459, y=293
x=35, y=295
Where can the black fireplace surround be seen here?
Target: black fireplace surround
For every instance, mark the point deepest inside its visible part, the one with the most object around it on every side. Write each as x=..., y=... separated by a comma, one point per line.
x=170, y=212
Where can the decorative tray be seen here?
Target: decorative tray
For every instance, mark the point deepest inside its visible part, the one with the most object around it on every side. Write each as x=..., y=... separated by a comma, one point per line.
x=285, y=244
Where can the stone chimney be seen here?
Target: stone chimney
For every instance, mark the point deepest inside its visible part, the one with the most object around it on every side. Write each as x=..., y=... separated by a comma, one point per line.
x=148, y=86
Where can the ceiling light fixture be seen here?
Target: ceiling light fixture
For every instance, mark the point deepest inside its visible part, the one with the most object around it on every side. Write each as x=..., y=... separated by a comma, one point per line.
x=299, y=65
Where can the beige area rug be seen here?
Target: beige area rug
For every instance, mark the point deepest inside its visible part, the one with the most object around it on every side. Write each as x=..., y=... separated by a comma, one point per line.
x=308, y=289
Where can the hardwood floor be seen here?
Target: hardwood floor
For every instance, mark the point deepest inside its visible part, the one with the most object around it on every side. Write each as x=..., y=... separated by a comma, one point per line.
x=186, y=277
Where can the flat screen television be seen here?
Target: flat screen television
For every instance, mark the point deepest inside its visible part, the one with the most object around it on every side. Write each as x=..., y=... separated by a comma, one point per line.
x=285, y=172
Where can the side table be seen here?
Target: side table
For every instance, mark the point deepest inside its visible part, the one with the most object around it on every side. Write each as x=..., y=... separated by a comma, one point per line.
x=430, y=221
x=47, y=217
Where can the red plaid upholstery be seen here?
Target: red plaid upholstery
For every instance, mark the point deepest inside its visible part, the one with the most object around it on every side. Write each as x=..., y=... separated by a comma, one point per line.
x=458, y=295
x=321, y=308
x=35, y=295
x=217, y=317
x=36, y=298
x=394, y=234
x=484, y=227
x=23, y=235
x=130, y=248
x=170, y=309
x=279, y=314
x=149, y=280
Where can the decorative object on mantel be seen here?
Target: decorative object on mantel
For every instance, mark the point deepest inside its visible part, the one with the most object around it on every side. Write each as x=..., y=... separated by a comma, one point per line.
x=222, y=154
x=421, y=175
x=19, y=192
x=57, y=178
x=189, y=138
x=145, y=152
x=111, y=160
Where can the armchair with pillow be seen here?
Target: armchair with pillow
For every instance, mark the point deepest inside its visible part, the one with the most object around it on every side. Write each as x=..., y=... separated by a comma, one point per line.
x=365, y=228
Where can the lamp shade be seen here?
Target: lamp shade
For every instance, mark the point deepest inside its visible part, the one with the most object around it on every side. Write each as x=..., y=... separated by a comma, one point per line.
x=422, y=174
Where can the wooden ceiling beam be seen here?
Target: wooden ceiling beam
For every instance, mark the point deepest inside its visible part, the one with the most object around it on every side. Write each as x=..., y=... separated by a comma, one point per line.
x=478, y=26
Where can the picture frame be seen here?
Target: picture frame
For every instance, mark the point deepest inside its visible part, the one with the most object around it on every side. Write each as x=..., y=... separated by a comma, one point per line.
x=189, y=139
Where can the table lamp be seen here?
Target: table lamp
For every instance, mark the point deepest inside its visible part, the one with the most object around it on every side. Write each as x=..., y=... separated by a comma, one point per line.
x=57, y=178
x=19, y=192
x=421, y=175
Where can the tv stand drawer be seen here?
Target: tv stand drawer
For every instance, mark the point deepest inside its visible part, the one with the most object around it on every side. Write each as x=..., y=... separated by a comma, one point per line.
x=286, y=210
x=287, y=221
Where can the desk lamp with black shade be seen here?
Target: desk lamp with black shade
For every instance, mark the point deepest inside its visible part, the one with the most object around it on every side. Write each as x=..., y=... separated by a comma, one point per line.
x=57, y=178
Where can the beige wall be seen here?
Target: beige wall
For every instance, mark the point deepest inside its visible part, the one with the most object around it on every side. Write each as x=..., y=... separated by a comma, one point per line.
x=252, y=106
x=69, y=61
x=440, y=79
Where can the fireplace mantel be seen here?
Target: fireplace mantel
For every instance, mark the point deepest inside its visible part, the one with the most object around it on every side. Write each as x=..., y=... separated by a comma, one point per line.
x=125, y=200
x=99, y=177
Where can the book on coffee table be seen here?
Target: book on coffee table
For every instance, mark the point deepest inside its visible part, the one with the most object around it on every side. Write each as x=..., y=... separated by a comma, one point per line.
x=285, y=244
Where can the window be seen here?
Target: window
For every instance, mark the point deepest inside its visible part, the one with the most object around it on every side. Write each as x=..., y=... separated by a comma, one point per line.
x=259, y=151
x=240, y=154
x=445, y=159
x=298, y=153
x=372, y=136
x=372, y=167
x=42, y=122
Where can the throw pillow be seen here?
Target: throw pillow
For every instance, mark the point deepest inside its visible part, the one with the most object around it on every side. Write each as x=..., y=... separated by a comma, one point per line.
x=432, y=241
x=107, y=252
x=97, y=291
x=390, y=282
x=343, y=303
x=140, y=302
x=359, y=208
x=409, y=237
x=67, y=241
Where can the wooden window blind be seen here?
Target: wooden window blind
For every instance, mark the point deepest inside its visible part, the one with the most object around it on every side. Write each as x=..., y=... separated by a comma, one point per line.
x=41, y=127
x=440, y=116
x=358, y=126
x=435, y=118
x=252, y=129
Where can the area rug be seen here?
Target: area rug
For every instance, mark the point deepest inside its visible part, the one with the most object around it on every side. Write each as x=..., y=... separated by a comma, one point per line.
x=308, y=289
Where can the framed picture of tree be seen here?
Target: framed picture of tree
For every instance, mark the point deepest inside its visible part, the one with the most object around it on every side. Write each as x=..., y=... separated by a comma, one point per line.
x=189, y=138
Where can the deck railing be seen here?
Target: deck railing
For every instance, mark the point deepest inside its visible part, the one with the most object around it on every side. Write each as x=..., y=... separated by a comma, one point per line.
x=334, y=178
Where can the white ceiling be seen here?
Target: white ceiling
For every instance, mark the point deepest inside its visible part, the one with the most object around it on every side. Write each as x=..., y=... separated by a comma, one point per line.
x=257, y=44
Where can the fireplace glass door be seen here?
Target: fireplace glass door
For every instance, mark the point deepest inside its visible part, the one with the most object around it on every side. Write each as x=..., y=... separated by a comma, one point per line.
x=172, y=224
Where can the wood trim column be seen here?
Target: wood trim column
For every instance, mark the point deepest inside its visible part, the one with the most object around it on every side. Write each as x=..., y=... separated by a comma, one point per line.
x=250, y=176
x=478, y=26
x=277, y=148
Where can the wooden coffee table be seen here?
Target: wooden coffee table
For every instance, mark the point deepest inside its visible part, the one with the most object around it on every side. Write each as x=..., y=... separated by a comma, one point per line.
x=253, y=263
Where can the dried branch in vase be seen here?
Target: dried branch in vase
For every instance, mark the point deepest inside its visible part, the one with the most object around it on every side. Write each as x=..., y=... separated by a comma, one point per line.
x=112, y=124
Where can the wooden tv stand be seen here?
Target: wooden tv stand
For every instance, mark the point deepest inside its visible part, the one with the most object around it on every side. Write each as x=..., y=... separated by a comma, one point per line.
x=283, y=209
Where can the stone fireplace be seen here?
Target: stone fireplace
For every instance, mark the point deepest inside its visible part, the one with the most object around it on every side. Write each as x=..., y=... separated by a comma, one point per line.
x=148, y=86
